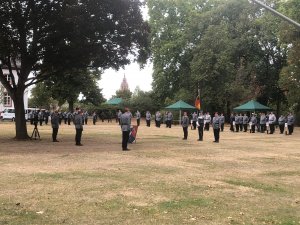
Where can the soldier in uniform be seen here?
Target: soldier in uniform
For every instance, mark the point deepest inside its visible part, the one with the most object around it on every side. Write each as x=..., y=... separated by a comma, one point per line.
x=86, y=117
x=245, y=122
x=125, y=127
x=185, y=124
x=60, y=116
x=169, y=119
x=216, y=127
x=46, y=117
x=272, y=121
x=262, y=122
x=207, y=121
x=119, y=116
x=148, y=118
x=94, y=118
x=232, y=119
x=55, y=125
x=31, y=116
x=241, y=122
x=78, y=122
x=281, y=123
x=253, y=122
x=157, y=119
x=200, y=125
x=138, y=117
x=41, y=117
x=237, y=122
x=194, y=119
x=290, y=123
x=222, y=121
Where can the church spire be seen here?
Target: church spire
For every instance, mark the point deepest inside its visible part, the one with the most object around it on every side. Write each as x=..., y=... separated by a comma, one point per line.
x=124, y=84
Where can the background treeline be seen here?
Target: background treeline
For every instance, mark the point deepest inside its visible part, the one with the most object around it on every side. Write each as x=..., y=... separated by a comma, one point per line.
x=232, y=50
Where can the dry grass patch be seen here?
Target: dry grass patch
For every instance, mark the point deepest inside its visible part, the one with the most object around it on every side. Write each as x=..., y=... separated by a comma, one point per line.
x=245, y=179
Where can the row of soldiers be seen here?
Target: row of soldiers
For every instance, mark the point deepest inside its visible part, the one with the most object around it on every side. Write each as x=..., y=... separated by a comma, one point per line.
x=261, y=122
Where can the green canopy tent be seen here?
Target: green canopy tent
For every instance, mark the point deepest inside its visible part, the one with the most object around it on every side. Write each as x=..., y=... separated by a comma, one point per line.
x=180, y=105
x=252, y=106
x=114, y=101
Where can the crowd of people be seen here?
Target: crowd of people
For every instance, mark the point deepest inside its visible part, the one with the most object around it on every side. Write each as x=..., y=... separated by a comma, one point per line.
x=263, y=123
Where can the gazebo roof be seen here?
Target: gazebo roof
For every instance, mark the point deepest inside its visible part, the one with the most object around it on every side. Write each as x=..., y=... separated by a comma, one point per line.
x=252, y=106
x=180, y=105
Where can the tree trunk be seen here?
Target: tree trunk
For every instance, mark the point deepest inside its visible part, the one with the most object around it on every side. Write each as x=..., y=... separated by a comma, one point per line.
x=20, y=122
x=71, y=106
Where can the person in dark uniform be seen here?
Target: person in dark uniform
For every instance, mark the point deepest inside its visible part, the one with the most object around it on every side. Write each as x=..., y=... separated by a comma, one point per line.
x=78, y=122
x=185, y=124
x=169, y=119
x=94, y=118
x=138, y=118
x=125, y=127
x=241, y=122
x=207, y=121
x=194, y=119
x=290, y=123
x=148, y=118
x=46, y=117
x=281, y=123
x=262, y=122
x=55, y=125
x=272, y=121
x=119, y=117
x=216, y=127
x=253, y=121
x=237, y=122
x=158, y=119
x=41, y=117
x=70, y=117
x=232, y=120
x=245, y=122
x=222, y=121
x=60, y=116
x=200, y=125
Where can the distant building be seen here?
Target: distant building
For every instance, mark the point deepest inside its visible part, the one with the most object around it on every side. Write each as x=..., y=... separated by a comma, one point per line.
x=6, y=101
x=124, y=85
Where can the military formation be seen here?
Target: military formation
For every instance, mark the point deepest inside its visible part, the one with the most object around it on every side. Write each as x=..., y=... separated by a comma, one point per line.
x=239, y=122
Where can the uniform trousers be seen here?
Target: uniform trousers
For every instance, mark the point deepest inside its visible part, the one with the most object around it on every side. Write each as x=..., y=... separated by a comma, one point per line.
x=281, y=128
x=222, y=127
x=138, y=121
x=78, y=136
x=253, y=128
x=231, y=126
x=206, y=126
x=262, y=128
x=194, y=125
x=241, y=127
x=169, y=123
x=217, y=134
x=200, y=132
x=291, y=129
x=272, y=128
x=125, y=138
x=54, y=133
x=245, y=127
x=148, y=123
x=185, y=132
x=237, y=127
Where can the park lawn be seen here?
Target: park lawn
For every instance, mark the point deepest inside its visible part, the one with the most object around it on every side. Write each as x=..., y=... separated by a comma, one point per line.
x=245, y=179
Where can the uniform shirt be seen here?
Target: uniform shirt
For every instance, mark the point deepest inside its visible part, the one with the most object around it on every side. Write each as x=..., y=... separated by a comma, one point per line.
x=194, y=116
x=253, y=120
x=185, y=121
x=169, y=116
x=290, y=120
x=207, y=118
x=138, y=115
x=281, y=120
x=78, y=121
x=245, y=119
x=119, y=114
x=158, y=116
x=200, y=121
x=263, y=119
x=272, y=118
x=237, y=120
x=216, y=122
x=222, y=119
x=55, y=120
x=240, y=119
x=125, y=121
x=148, y=116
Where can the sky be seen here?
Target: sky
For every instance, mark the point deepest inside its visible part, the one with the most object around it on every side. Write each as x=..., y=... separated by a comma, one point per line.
x=111, y=79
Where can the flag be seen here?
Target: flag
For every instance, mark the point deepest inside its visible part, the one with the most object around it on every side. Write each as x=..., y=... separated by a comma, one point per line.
x=197, y=103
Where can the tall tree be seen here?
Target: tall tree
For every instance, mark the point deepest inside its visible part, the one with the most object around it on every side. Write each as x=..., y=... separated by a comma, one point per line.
x=41, y=38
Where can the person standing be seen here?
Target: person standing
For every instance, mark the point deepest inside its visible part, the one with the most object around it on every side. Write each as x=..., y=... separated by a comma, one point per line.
x=290, y=123
x=125, y=127
x=245, y=122
x=41, y=117
x=237, y=122
x=138, y=117
x=232, y=121
x=194, y=119
x=281, y=123
x=272, y=121
x=222, y=121
x=216, y=127
x=169, y=119
x=148, y=118
x=86, y=117
x=119, y=116
x=207, y=121
x=158, y=119
x=185, y=124
x=262, y=122
x=241, y=122
x=94, y=118
x=46, y=117
x=253, y=121
x=78, y=122
x=200, y=125
x=55, y=125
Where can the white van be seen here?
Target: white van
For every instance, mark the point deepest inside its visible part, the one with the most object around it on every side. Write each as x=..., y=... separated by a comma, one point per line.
x=9, y=113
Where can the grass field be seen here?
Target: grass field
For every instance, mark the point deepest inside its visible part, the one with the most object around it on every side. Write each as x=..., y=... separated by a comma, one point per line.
x=245, y=179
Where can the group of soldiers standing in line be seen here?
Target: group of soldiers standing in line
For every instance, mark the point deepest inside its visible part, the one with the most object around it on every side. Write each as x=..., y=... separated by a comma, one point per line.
x=262, y=123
